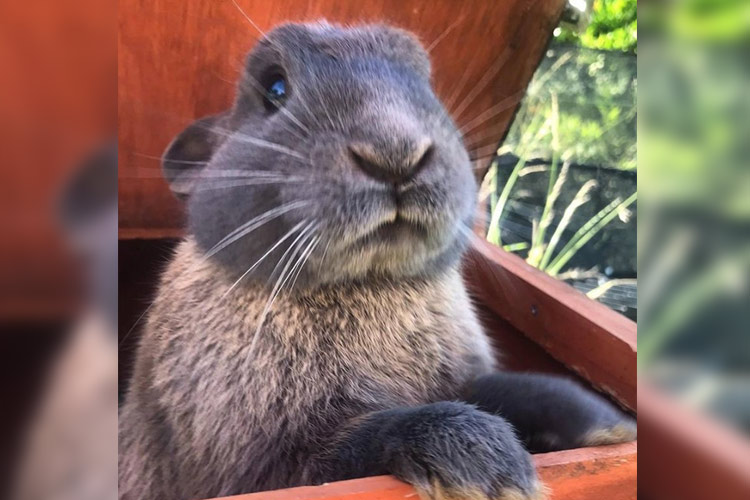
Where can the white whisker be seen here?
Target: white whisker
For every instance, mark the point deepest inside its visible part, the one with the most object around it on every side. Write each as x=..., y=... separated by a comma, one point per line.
x=243, y=183
x=242, y=174
x=443, y=34
x=325, y=254
x=253, y=224
x=480, y=138
x=308, y=252
x=214, y=250
x=489, y=75
x=469, y=233
x=221, y=78
x=210, y=176
x=484, y=152
x=493, y=111
x=255, y=83
x=262, y=143
x=283, y=276
x=459, y=86
x=299, y=256
x=219, y=173
x=279, y=242
x=325, y=108
x=153, y=157
x=252, y=23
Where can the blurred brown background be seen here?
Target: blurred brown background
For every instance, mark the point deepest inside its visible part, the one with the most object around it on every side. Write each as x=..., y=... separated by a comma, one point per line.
x=57, y=103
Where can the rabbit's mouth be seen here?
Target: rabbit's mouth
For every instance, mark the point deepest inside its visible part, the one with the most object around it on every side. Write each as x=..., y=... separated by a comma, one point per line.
x=408, y=222
x=394, y=231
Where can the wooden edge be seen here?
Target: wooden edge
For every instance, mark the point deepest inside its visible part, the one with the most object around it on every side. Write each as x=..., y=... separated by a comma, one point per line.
x=602, y=473
x=588, y=337
x=58, y=309
x=544, y=25
x=153, y=233
x=555, y=459
x=688, y=455
x=371, y=488
x=606, y=472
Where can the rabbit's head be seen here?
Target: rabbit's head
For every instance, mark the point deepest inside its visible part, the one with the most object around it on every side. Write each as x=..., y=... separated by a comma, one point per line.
x=337, y=162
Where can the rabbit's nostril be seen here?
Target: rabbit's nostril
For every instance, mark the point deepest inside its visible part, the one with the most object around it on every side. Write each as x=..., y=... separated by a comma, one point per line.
x=366, y=165
x=375, y=166
x=395, y=165
x=422, y=160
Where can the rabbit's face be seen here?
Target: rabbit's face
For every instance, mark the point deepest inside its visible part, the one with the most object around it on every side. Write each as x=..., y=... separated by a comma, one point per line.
x=337, y=162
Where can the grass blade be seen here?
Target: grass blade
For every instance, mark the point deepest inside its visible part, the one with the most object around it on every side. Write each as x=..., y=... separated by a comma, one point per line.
x=588, y=231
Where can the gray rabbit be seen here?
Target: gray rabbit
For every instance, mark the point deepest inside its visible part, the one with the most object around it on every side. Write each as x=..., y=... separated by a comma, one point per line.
x=313, y=326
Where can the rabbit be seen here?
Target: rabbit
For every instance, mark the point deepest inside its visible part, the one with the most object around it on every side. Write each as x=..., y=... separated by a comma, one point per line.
x=313, y=325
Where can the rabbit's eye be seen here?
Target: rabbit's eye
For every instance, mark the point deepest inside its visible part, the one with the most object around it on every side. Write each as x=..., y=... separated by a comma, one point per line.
x=275, y=93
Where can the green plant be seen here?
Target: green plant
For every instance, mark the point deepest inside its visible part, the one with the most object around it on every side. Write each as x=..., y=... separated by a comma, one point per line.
x=497, y=203
x=594, y=99
x=613, y=25
x=541, y=251
x=581, y=106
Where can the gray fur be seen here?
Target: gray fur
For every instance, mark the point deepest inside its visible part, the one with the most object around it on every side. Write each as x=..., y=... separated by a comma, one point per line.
x=446, y=450
x=348, y=87
x=550, y=413
x=344, y=373
x=372, y=323
x=207, y=417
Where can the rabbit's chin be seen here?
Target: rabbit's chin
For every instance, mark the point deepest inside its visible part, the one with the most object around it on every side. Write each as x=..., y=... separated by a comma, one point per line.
x=393, y=251
x=396, y=239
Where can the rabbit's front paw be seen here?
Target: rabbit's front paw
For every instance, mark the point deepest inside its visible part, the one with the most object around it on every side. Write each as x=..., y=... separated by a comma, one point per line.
x=621, y=432
x=454, y=451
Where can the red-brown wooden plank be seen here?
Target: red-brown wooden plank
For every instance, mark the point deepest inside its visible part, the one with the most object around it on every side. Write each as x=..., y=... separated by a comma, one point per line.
x=604, y=473
x=596, y=342
x=688, y=456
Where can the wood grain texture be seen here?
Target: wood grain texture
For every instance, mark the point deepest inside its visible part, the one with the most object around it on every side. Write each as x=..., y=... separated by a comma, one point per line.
x=515, y=351
x=588, y=337
x=607, y=472
x=179, y=59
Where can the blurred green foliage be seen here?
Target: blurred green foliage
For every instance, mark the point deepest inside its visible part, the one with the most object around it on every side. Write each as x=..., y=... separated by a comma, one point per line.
x=694, y=198
x=596, y=122
x=694, y=113
x=613, y=25
x=711, y=21
x=593, y=77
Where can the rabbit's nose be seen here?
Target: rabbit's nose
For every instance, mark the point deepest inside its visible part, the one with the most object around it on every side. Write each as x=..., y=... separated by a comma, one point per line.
x=392, y=163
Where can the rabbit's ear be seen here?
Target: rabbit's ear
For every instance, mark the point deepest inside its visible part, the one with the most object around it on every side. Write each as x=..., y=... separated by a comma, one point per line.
x=189, y=152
